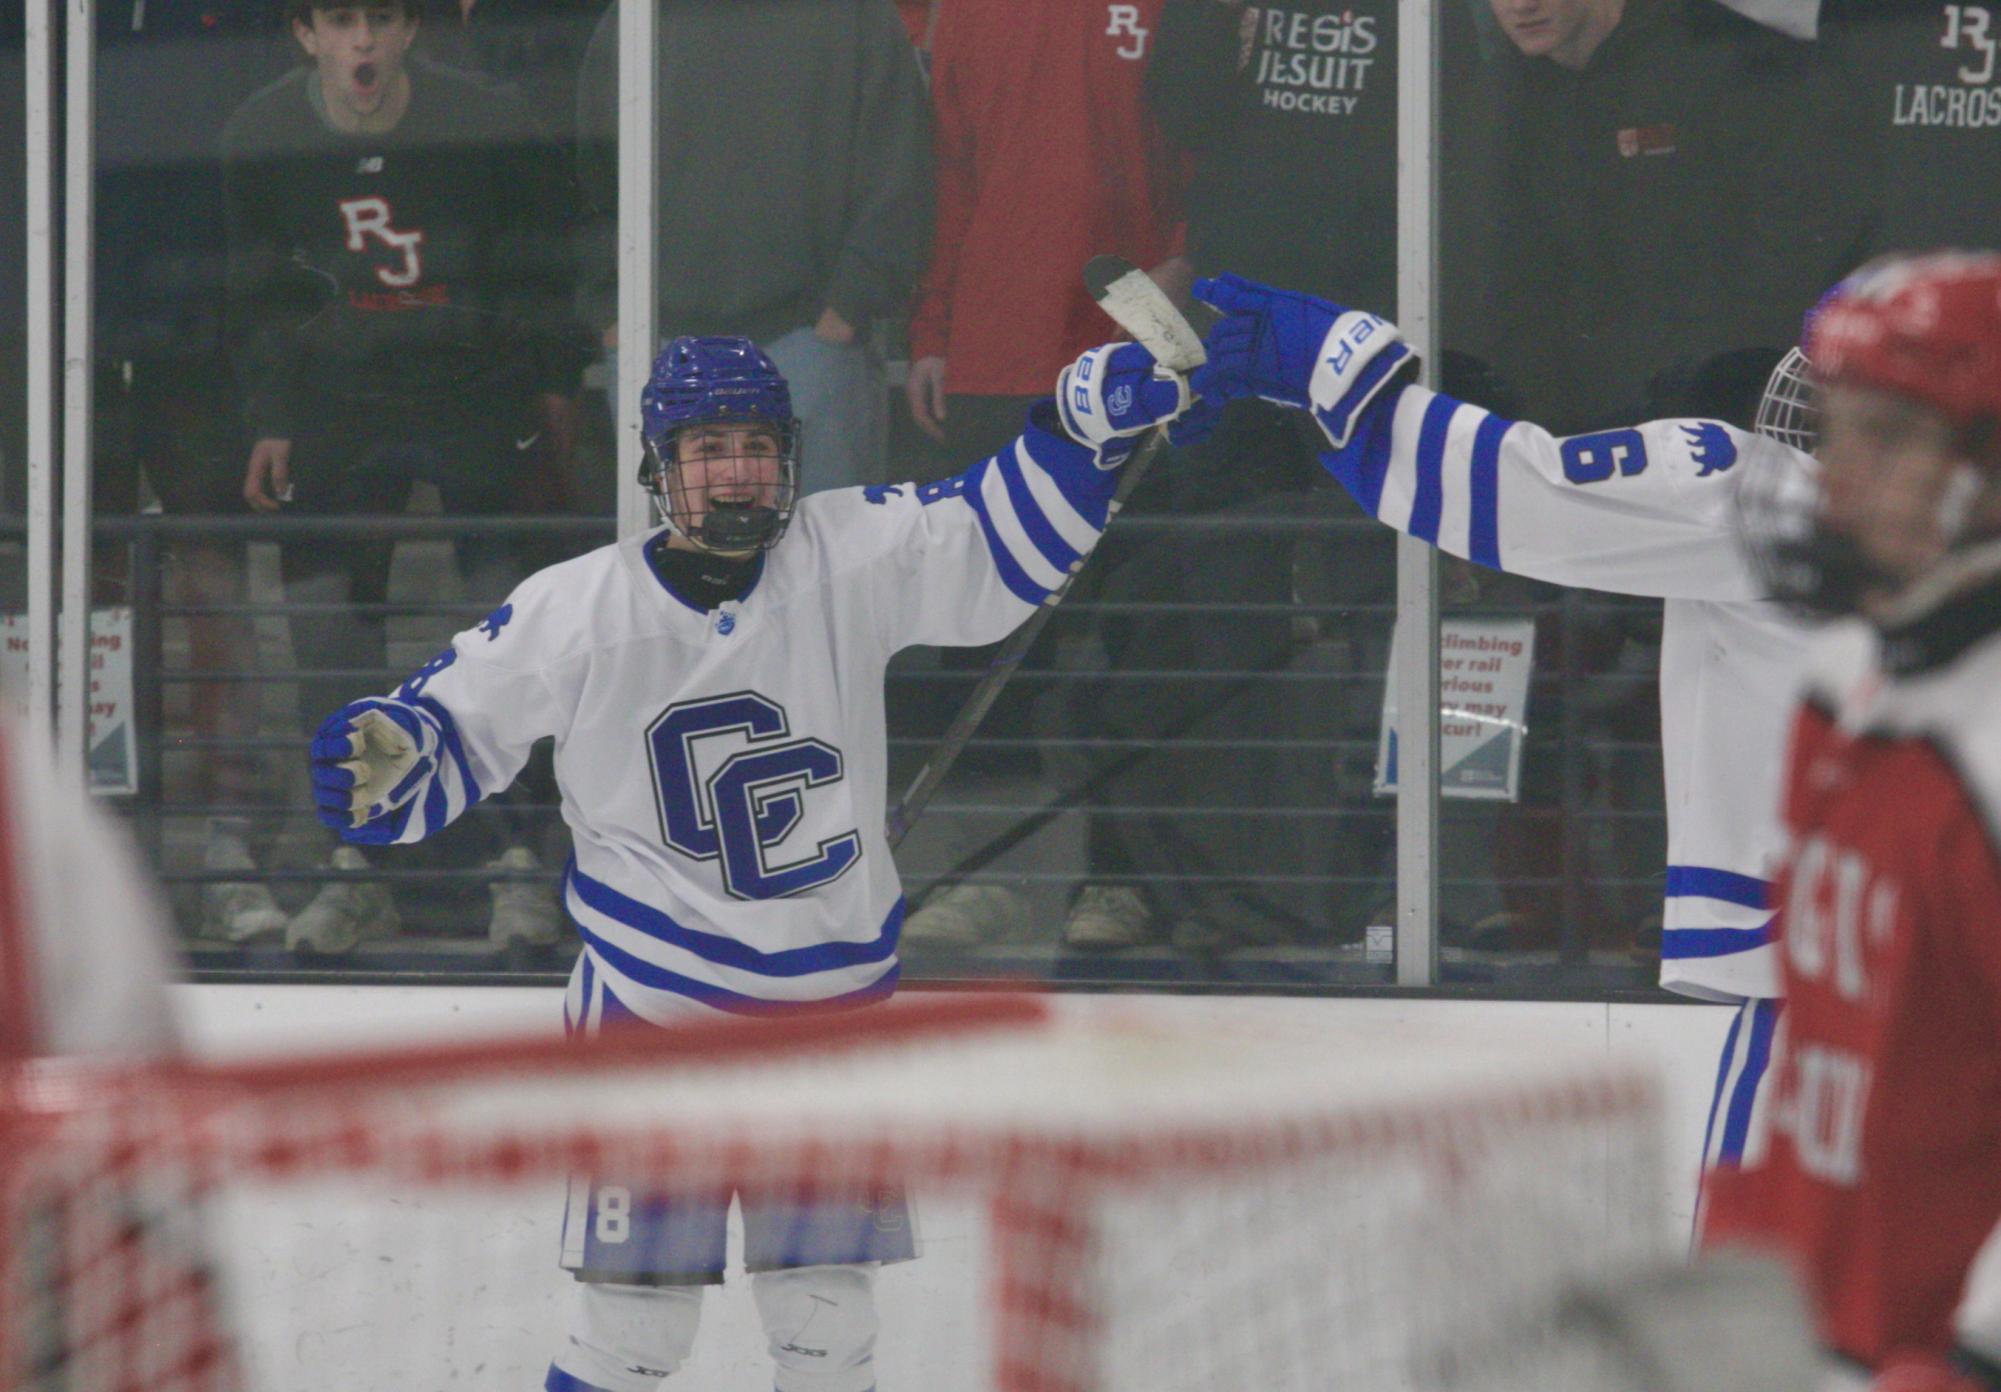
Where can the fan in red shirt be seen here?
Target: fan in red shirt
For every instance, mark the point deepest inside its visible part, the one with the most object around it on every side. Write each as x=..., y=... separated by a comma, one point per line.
x=1045, y=158
x=1876, y=1168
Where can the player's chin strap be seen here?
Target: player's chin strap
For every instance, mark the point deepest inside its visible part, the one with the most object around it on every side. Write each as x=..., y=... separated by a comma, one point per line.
x=727, y=527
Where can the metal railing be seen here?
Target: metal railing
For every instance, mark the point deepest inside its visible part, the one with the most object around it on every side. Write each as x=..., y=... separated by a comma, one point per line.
x=1028, y=828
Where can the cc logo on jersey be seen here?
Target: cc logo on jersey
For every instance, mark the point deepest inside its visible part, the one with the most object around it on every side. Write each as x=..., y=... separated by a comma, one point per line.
x=740, y=808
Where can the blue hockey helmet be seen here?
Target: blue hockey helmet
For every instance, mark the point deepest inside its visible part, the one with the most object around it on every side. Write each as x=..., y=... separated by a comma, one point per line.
x=707, y=382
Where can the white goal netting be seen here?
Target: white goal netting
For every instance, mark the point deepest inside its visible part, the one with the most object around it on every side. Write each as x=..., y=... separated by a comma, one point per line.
x=1105, y=1203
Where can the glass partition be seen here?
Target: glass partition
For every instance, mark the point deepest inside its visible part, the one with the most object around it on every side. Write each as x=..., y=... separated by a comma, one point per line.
x=371, y=257
x=13, y=347
x=346, y=399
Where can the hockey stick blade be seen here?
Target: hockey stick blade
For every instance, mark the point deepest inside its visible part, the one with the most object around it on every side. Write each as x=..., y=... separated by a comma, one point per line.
x=1143, y=310
x=1129, y=296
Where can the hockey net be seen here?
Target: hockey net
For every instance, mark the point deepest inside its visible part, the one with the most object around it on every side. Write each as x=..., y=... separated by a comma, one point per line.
x=1108, y=1202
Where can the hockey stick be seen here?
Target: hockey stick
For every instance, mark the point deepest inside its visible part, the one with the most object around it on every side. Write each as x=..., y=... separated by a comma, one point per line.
x=1145, y=312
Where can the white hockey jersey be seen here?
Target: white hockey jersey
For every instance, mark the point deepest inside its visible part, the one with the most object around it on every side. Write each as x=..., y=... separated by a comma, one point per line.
x=1648, y=510
x=724, y=773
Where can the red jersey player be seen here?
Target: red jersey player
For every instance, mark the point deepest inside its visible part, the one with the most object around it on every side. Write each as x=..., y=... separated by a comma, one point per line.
x=1876, y=1167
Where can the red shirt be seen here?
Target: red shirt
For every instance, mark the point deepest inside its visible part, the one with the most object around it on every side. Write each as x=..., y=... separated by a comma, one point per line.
x=1045, y=159
x=1878, y=1167
x=916, y=16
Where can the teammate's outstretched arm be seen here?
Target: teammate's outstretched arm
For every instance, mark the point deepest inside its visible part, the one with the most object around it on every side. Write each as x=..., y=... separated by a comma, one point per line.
x=1647, y=510
x=975, y=554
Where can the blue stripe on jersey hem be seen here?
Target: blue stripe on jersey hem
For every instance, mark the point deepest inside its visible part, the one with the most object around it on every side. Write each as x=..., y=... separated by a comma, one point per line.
x=586, y=978
x=1429, y=503
x=1483, y=485
x=1687, y=944
x=1758, y=1053
x=1028, y=512
x=560, y=1381
x=1701, y=882
x=656, y=978
x=1010, y=571
x=728, y=952
x=1722, y=1076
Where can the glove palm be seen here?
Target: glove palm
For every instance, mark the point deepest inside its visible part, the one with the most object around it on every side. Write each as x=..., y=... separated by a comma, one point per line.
x=369, y=761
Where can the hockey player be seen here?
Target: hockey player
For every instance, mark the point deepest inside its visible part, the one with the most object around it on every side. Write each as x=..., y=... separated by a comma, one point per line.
x=1648, y=510
x=399, y=289
x=715, y=693
x=1874, y=1164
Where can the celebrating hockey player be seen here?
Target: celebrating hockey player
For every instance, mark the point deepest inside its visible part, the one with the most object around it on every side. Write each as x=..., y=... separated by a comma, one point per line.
x=1876, y=1164
x=715, y=693
x=1649, y=510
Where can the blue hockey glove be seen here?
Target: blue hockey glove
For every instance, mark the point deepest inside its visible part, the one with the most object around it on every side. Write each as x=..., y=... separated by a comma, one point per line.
x=1297, y=351
x=1195, y=424
x=369, y=761
x=1113, y=394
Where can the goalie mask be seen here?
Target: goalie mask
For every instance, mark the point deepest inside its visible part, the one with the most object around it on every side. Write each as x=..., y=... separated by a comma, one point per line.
x=720, y=444
x=1898, y=395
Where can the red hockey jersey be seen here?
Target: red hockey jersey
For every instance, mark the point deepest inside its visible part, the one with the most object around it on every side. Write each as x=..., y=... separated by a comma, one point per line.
x=1877, y=1166
x=1045, y=159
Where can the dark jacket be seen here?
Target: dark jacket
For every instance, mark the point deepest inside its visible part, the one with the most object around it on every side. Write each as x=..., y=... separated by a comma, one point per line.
x=1927, y=79
x=1659, y=218
x=795, y=164
x=431, y=263
x=1290, y=112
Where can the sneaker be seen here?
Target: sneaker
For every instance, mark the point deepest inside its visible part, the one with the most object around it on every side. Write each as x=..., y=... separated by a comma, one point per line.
x=237, y=911
x=967, y=914
x=1106, y=917
x=346, y=911
x=524, y=911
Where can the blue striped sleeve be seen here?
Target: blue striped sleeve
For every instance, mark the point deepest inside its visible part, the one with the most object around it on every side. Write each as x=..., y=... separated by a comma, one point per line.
x=1483, y=486
x=1011, y=574
x=1430, y=500
x=1028, y=512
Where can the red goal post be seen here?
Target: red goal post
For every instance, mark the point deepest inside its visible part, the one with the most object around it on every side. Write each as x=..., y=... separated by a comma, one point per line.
x=1121, y=1201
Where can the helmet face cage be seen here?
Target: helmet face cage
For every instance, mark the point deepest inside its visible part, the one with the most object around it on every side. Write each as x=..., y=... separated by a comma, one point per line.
x=1788, y=411
x=700, y=385
x=1823, y=569
x=685, y=506
x=1817, y=574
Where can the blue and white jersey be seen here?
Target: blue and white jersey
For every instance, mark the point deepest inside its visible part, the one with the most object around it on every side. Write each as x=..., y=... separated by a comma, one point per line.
x=1649, y=510
x=723, y=773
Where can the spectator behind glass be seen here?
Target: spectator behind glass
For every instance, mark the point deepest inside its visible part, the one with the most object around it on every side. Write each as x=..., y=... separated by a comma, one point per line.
x=400, y=290
x=1664, y=220
x=532, y=46
x=795, y=198
x=168, y=78
x=1288, y=114
x=1926, y=76
x=1046, y=157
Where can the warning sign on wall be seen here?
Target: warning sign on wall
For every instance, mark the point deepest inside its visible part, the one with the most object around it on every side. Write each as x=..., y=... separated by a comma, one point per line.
x=1483, y=694
x=114, y=745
